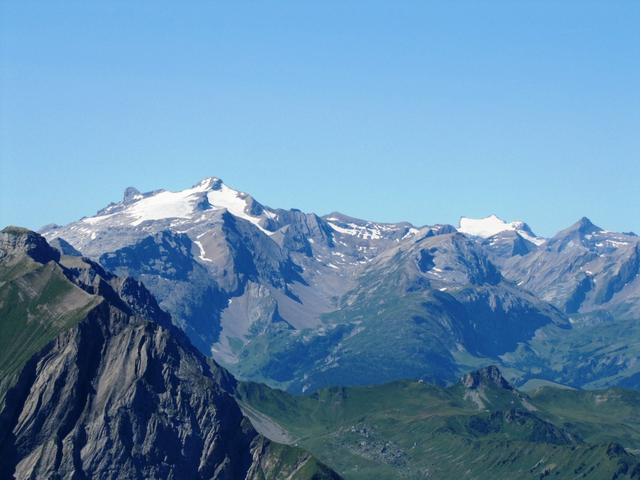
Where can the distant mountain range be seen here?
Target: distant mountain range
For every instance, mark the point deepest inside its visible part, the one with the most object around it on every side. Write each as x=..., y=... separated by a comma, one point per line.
x=302, y=301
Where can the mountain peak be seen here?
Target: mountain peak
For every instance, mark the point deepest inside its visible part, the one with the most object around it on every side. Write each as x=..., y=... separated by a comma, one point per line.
x=17, y=240
x=209, y=183
x=584, y=226
x=341, y=217
x=195, y=205
x=131, y=194
x=486, y=376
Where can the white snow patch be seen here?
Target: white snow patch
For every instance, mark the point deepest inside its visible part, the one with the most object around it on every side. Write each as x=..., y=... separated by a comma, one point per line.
x=412, y=231
x=535, y=240
x=236, y=203
x=492, y=225
x=98, y=219
x=617, y=244
x=166, y=205
x=182, y=206
x=370, y=232
x=202, y=255
x=486, y=227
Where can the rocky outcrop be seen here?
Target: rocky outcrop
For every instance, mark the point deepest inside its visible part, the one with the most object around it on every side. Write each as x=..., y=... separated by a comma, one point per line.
x=487, y=376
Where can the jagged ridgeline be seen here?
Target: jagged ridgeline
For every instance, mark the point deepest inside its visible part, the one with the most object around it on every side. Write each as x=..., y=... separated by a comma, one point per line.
x=302, y=301
x=96, y=382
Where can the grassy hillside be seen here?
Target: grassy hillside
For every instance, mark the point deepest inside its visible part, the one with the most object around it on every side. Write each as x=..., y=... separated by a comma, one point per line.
x=37, y=302
x=415, y=430
x=611, y=415
x=600, y=350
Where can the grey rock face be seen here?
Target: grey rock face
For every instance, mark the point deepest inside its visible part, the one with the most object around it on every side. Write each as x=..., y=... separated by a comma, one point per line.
x=123, y=401
x=165, y=263
x=131, y=194
x=506, y=245
x=490, y=375
x=124, y=395
x=582, y=269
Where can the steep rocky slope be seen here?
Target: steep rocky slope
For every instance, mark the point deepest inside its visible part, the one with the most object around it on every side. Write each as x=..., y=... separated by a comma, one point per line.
x=110, y=388
x=583, y=269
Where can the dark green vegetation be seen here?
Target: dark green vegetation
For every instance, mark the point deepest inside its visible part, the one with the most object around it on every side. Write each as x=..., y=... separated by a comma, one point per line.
x=481, y=428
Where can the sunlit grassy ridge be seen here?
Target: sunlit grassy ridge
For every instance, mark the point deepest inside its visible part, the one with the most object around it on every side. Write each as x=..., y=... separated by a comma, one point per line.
x=37, y=302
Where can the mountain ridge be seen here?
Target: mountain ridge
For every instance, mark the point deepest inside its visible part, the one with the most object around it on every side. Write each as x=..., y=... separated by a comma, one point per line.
x=251, y=279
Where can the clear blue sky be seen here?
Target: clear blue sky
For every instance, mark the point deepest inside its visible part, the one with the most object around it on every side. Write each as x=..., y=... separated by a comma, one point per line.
x=421, y=111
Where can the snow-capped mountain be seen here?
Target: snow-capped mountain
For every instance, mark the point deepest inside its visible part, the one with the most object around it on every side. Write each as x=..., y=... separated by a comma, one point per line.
x=301, y=300
x=502, y=240
x=176, y=211
x=227, y=267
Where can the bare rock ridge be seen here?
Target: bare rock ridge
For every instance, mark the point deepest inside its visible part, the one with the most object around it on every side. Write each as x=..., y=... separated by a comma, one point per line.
x=121, y=393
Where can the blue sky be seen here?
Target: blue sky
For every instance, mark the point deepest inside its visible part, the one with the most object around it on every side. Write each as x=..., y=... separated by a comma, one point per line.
x=421, y=111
